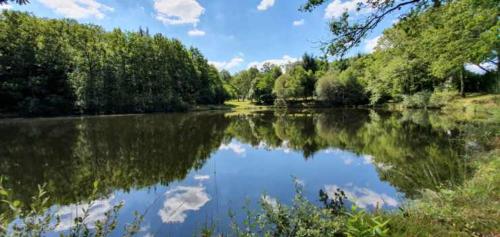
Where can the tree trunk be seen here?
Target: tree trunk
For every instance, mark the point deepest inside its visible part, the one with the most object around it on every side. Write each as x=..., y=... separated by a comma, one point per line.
x=462, y=84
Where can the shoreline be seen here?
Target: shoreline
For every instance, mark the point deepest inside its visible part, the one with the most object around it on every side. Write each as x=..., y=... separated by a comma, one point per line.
x=482, y=103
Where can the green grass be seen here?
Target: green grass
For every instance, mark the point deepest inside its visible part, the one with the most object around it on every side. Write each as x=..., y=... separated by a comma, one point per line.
x=475, y=107
x=472, y=209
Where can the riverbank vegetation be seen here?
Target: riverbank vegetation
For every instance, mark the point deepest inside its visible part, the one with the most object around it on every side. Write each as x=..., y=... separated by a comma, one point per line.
x=467, y=210
x=60, y=67
x=422, y=61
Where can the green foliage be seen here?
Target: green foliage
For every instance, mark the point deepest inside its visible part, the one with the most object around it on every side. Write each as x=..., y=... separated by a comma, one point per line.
x=340, y=89
x=467, y=210
x=417, y=100
x=440, y=98
x=293, y=83
x=363, y=224
x=38, y=220
x=303, y=218
x=51, y=67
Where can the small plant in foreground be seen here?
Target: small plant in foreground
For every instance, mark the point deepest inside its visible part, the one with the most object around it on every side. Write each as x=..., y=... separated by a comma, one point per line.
x=303, y=218
x=37, y=219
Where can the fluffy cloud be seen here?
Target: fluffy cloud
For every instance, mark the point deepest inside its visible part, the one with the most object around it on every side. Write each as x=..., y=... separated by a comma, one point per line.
x=177, y=12
x=364, y=197
x=228, y=65
x=5, y=6
x=202, y=177
x=180, y=200
x=96, y=212
x=371, y=44
x=273, y=202
x=281, y=62
x=196, y=32
x=265, y=4
x=78, y=9
x=298, y=22
x=337, y=7
x=235, y=147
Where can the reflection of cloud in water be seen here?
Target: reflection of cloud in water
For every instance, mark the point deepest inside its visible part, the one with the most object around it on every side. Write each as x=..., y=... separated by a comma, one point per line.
x=180, y=200
x=368, y=160
x=202, y=177
x=270, y=201
x=96, y=212
x=344, y=156
x=332, y=151
x=348, y=160
x=284, y=147
x=235, y=147
x=363, y=197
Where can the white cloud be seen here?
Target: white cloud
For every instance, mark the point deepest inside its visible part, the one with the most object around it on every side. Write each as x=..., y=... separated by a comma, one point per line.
x=228, y=65
x=363, y=197
x=196, y=32
x=235, y=147
x=177, y=12
x=337, y=7
x=78, y=9
x=273, y=202
x=180, y=200
x=5, y=6
x=96, y=212
x=371, y=44
x=202, y=177
x=476, y=69
x=285, y=60
x=298, y=22
x=265, y=4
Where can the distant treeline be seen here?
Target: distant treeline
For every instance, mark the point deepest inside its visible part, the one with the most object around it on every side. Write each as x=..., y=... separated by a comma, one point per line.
x=53, y=67
x=421, y=60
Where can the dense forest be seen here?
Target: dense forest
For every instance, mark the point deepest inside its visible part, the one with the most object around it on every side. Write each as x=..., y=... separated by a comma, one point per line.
x=52, y=67
x=421, y=60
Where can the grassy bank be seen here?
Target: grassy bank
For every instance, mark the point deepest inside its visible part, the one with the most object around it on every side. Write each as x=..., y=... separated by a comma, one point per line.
x=473, y=105
x=471, y=209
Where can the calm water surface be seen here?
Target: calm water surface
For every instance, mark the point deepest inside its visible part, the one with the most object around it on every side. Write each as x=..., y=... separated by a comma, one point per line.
x=186, y=171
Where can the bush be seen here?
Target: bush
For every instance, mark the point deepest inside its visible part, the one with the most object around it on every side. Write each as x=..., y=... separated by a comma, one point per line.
x=336, y=90
x=303, y=218
x=440, y=98
x=418, y=100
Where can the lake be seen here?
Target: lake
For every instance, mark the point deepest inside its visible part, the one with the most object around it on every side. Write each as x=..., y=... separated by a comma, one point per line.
x=187, y=171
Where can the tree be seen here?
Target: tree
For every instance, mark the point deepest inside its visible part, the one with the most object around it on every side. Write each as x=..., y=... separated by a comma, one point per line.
x=243, y=82
x=291, y=84
x=51, y=67
x=348, y=33
x=264, y=83
x=462, y=32
x=14, y=1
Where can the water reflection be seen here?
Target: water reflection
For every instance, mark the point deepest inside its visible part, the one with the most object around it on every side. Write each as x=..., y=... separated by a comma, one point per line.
x=95, y=211
x=363, y=197
x=180, y=200
x=211, y=162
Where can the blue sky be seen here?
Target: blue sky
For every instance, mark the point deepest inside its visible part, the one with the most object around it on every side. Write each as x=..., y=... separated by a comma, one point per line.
x=232, y=34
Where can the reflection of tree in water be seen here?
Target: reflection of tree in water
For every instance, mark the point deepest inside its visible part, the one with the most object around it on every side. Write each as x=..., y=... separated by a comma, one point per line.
x=121, y=152
x=412, y=154
x=125, y=152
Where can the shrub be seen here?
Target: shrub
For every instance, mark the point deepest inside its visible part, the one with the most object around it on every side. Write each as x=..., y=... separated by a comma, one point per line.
x=303, y=218
x=440, y=98
x=338, y=90
x=418, y=100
